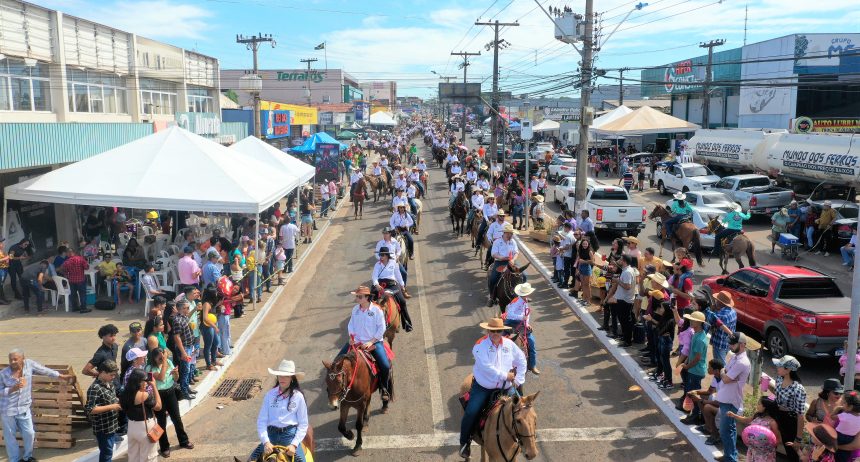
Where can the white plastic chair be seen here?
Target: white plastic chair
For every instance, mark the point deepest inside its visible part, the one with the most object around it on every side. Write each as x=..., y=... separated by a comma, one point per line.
x=163, y=254
x=174, y=276
x=63, y=289
x=161, y=242
x=123, y=239
x=146, y=231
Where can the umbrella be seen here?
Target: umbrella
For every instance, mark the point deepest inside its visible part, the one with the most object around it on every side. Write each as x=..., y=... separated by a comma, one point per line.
x=463, y=147
x=346, y=135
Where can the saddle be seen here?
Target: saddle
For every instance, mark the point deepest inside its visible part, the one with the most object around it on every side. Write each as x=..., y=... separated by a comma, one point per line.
x=371, y=361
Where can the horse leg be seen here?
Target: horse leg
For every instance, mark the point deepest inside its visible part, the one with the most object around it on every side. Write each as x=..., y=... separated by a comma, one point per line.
x=359, y=426
x=341, y=426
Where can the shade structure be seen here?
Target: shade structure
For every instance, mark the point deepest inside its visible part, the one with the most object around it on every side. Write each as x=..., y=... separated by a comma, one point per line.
x=346, y=135
x=290, y=170
x=310, y=144
x=160, y=171
x=610, y=116
x=515, y=126
x=646, y=120
x=382, y=118
x=546, y=125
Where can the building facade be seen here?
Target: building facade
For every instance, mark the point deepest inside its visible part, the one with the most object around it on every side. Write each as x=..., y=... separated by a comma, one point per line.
x=381, y=94
x=295, y=86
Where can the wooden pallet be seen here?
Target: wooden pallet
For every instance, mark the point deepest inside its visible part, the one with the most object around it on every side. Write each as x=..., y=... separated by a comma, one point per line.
x=57, y=407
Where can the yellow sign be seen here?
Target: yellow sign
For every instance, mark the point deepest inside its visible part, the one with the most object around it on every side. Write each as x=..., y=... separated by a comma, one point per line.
x=302, y=115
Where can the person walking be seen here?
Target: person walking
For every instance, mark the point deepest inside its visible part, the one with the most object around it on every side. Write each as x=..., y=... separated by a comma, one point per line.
x=165, y=375
x=140, y=403
x=283, y=417
x=73, y=268
x=103, y=409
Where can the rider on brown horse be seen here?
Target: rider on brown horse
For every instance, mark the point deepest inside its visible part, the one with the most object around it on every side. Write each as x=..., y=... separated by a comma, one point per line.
x=500, y=367
x=366, y=328
x=386, y=276
x=504, y=253
x=734, y=225
x=517, y=316
x=680, y=210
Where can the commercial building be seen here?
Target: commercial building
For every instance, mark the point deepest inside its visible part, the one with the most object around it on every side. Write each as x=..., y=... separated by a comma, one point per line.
x=282, y=125
x=805, y=79
x=295, y=86
x=71, y=88
x=381, y=94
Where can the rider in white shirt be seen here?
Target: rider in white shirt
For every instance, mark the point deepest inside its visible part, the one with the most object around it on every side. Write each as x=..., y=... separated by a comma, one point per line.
x=386, y=271
x=399, y=199
x=366, y=329
x=483, y=184
x=472, y=175
x=383, y=161
x=477, y=202
x=415, y=177
x=499, y=365
x=400, y=182
x=517, y=315
x=456, y=169
x=422, y=165
x=377, y=170
x=403, y=222
x=411, y=192
x=504, y=252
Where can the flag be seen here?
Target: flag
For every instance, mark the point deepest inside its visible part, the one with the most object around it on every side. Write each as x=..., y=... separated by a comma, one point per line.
x=321, y=46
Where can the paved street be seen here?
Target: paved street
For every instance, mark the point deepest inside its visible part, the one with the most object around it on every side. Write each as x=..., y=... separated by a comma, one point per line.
x=588, y=408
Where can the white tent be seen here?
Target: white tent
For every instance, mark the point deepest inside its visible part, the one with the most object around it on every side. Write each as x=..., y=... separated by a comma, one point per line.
x=290, y=170
x=546, y=125
x=382, y=118
x=614, y=114
x=160, y=171
x=646, y=120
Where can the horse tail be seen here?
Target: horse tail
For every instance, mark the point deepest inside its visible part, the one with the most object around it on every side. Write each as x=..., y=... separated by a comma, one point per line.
x=751, y=253
x=697, y=247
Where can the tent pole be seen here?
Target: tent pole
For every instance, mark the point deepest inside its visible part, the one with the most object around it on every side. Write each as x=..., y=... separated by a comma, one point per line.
x=4, y=234
x=256, y=252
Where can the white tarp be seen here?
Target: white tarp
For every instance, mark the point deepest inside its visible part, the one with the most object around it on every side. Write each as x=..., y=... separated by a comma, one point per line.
x=646, y=120
x=170, y=170
x=546, y=126
x=614, y=114
x=382, y=118
x=292, y=171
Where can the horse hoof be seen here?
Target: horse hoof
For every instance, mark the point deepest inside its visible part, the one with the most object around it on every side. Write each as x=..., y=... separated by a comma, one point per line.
x=348, y=435
x=356, y=452
x=384, y=409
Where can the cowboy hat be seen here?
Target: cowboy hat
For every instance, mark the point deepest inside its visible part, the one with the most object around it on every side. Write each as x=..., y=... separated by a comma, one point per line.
x=680, y=196
x=539, y=198
x=509, y=228
x=287, y=368
x=524, y=290
x=500, y=213
x=364, y=290
x=659, y=279
x=735, y=206
x=696, y=316
x=632, y=239
x=494, y=324
x=725, y=298
x=667, y=263
x=384, y=251
x=401, y=205
x=387, y=229
x=658, y=294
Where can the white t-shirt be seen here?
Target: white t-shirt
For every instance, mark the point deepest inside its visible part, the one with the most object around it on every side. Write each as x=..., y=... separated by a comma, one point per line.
x=627, y=277
x=288, y=236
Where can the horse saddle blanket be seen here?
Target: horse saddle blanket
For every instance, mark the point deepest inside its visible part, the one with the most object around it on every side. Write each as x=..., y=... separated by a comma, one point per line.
x=370, y=360
x=685, y=219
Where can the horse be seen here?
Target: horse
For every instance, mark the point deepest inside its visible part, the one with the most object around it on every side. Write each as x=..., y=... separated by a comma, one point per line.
x=479, y=242
x=687, y=233
x=418, y=208
x=279, y=453
x=377, y=185
x=511, y=427
x=458, y=212
x=423, y=179
x=348, y=380
x=739, y=246
x=439, y=156
x=392, y=316
x=510, y=278
x=358, y=198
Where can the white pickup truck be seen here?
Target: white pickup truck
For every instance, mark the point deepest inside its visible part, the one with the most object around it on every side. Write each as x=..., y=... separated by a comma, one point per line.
x=684, y=177
x=612, y=210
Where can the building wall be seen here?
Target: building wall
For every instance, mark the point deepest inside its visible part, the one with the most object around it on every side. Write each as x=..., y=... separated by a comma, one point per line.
x=289, y=85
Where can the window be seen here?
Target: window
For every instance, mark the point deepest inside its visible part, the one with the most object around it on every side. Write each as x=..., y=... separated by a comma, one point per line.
x=157, y=97
x=756, y=182
x=23, y=87
x=697, y=171
x=199, y=99
x=724, y=184
x=760, y=286
x=95, y=92
x=740, y=281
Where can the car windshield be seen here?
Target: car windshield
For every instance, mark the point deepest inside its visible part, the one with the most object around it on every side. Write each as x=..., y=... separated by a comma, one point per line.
x=848, y=212
x=609, y=195
x=715, y=199
x=756, y=182
x=699, y=170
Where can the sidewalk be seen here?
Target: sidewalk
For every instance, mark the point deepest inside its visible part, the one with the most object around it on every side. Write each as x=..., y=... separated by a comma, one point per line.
x=70, y=338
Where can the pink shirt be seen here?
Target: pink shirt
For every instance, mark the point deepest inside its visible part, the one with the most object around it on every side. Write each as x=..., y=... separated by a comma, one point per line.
x=684, y=338
x=186, y=267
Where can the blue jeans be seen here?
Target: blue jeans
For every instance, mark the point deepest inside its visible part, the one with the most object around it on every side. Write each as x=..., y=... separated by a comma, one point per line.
x=671, y=222
x=517, y=213
x=32, y=286
x=403, y=273
x=280, y=437
x=253, y=278
x=224, y=333
x=324, y=208
x=719, y=353
x=261, y=275
x=79, y=295
x=23, y=423
x=412, y=206
x=288, y=254
x=723, y=234
x=664, y=349
x=847, y=256
x=478, y=399
x=532, y=354
x=728, y=433
x=106, y=441
x=185, y=371
x=381, y=357
x=692, y=382
x=409, y=242
x=210, y=344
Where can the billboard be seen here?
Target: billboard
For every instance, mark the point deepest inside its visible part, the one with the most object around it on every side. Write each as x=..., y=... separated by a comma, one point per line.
x=686, y=76
x=326, y=160
x=824, y=53
x=276, y=124
x=460, y=93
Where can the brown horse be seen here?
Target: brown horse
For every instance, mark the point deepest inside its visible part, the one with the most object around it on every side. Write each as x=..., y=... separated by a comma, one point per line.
x=478, y=242
x=392, y=316
x=349, y=384
x=511, y=427
x=458, y=211
x=424, y=182
x=686, y=233
x=504, y=291
x=279, y=453
x=740, y=245
x=358, y=198
x=377, y=185
x=419, y=206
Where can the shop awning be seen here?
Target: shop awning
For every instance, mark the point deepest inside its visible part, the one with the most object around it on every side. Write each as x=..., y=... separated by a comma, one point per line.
x=292, y=171
x=346, y=135
x=310, y=144
x=170, y=170
x=382, y=118
x=546, y=126
x=646, y=120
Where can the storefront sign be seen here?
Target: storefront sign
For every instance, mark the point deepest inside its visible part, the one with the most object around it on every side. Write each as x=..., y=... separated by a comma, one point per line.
x=276, y=124
x=826, y=125
x=301, y=76
x=687, y=76
x=820, y=53
x=300, y=115
x=200, y=123
x=683, y=76
x=326, y=118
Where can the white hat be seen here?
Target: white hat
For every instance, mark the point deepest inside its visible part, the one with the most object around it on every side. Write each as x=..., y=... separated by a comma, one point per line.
x=287, y=368
x=135, y=353
x=680, y=196
x=735, y=206
x=524, y=290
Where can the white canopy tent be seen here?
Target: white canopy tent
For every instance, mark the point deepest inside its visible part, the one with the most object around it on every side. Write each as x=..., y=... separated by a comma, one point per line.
x=646, y=120
x=546, y=125
x=292, y=171
x=382, y=118
x=610, y=116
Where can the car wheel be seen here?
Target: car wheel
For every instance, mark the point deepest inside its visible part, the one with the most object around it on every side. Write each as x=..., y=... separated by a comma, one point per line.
x=776, y=343
x=662, y=188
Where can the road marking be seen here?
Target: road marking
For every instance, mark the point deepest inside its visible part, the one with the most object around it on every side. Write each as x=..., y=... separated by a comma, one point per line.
x=34, y=332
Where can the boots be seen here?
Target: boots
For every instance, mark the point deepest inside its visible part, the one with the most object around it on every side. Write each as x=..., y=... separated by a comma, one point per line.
x=3, y=300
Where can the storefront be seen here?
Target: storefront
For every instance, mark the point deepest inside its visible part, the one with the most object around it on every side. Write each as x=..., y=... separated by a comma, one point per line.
x=297, y=86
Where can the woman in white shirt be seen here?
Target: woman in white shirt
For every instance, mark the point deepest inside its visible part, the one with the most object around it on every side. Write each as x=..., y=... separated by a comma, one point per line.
x=283, y=418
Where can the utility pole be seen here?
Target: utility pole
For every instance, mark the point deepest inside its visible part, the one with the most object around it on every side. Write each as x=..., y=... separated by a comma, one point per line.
x=494, y=114
x=309, y=61
x=465, y=67
x=585, y=100
x=706, y=105
x=621, y=88
x=253, y=43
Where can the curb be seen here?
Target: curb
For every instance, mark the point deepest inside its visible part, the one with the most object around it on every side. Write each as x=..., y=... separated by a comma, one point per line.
x=212, y=379
x=628, y=363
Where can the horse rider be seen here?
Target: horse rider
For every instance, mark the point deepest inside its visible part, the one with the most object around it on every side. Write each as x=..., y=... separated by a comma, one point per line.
x=415, y=178
x=504, y=252
x=387, y=271
x=422, y=165
x=456, y=169
x=283, y=417
x=494, y=231
x=377, y=170
x=399, y=198
x=471, y=175
x=403, y=222
x=451, y=158
x=383, y=161
x=477, y=202
x=411, y=193
x=366, y=329
x=680, y=210
x=353, y=179
x=393, y=246
x=517, y=315
x=499, y=367
x=483, y=183
x=490, y=209
x=400, y=182
x=457, y=186
x=733, y=223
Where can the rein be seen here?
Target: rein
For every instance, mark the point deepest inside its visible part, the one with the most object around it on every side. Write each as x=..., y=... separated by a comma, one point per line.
x=348, y=388
x=512, y=431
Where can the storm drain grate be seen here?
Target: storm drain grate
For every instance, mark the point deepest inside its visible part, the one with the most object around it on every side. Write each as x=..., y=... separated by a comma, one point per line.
x=246, y=389
x=225, y=388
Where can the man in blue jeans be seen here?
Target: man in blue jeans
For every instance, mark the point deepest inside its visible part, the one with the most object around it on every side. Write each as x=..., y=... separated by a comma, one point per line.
x=103, y=409
x=731, y=395
x=74, y=269
x=32, y=281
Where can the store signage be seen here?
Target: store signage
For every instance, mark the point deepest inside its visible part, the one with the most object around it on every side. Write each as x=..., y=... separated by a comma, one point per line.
x=839, y=164
x=719, y=150
x=326, y=118
x=299, y=115
x=200, y=123
x=814, y=53
x=826, y=125
x=681, y=76
x=301, y=76
x=276, y=124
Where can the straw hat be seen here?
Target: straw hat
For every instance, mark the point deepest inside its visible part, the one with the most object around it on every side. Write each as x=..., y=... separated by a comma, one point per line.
x=658, y=294
x=494, y=324
x=363, y=290
x=539, y=198
x=725, y=298
x=524, y=290
x=500, y=213
x=287, y=368
x=659, y=279
x=680, y=196
x=632, y=239
x=696, y=316
x=509, y=228
x=735, y=206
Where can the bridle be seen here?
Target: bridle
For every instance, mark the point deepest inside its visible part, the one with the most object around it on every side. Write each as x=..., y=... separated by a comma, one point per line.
x=513, y=430
x=345, y=389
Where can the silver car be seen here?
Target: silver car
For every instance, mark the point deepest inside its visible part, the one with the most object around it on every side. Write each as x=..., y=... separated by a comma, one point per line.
x=701, y=217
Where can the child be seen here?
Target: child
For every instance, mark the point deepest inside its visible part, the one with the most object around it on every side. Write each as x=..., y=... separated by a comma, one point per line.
x=664, y=324
x=848, y=417
x=558, y=259
x=280, y=263
x=705, y=407
x=843, y=360
x=122, y=279
x=760, y=448
x=823, y=444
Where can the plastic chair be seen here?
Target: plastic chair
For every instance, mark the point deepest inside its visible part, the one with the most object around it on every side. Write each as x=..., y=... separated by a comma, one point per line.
x=123, y=239
x=161, y=242
x=163, y=254
x=63, y=289
x=174, y=276
x=146, y=230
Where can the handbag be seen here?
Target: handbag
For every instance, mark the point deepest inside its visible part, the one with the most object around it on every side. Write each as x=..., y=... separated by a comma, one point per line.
x=154, y=433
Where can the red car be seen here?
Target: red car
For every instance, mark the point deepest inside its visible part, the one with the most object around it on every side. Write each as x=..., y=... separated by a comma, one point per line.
x=797, y=310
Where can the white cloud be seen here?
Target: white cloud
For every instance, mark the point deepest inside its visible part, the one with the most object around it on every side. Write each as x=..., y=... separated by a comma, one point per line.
x=372, y=21
x=159, y=19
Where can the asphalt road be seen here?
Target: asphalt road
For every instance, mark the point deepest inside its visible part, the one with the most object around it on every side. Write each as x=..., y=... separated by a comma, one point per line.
x=588, y=408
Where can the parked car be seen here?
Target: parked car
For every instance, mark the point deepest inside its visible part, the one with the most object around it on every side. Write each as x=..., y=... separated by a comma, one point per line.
x=710, y=199
x=517, y=160
x=612, y=210
x=684, y=177
x=565, y=187
x=561, y=166
x=797, y=310
x=755, y=193
x=702, y=214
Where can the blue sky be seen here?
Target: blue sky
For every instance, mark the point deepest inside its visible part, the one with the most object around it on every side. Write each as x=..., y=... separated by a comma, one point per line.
x=405, y=40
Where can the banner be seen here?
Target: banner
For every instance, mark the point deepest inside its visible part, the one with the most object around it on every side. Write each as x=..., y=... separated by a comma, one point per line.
x=826, y=125
x=300, y=115
x=326, y=160
x=276, y=124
